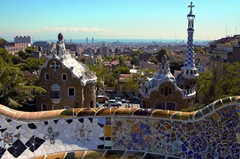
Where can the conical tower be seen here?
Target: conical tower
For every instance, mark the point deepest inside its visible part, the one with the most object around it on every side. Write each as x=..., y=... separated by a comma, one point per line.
x=187, y=78
x=189, y=70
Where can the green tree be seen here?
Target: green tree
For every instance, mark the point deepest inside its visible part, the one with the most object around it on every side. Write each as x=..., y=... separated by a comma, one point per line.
x=122, y=60
x=154, y=60
x=17, y=60
x=134, y=60
x=198, y=49
x=221, y=82
x=205, y=87
x=121, y=70
x=24, y=55
x=3, y=41
x=16, y=86
x=131, y=85
x=32, y=64
x=229, y=82
x=137, y=52
x=161, y=53
x=30, y=49
x=5, y=56
x=13, y=89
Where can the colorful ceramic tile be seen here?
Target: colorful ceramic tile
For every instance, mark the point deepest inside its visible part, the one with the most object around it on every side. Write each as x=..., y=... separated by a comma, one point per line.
x=107, y=143
x=206, y=133
x=107, y=130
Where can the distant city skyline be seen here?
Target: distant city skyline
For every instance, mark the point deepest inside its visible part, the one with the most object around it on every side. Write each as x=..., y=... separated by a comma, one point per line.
x=115, y=19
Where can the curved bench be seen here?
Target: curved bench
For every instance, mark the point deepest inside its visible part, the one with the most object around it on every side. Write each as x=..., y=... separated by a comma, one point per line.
x=211, y=132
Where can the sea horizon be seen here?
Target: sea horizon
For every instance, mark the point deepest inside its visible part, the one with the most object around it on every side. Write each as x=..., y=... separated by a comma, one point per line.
x=102, y=40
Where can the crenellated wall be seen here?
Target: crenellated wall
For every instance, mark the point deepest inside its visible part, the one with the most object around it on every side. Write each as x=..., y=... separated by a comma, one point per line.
x=212, y=132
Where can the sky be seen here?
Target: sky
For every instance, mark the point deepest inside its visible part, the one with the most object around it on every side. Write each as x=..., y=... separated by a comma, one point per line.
x=118, y=19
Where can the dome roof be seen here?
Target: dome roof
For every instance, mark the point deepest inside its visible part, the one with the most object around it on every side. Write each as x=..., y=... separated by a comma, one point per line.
x=60, y=37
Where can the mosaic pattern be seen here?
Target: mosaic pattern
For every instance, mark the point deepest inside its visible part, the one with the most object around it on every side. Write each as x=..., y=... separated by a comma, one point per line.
x=27, y=140
x=213, y=137
x=212, y=132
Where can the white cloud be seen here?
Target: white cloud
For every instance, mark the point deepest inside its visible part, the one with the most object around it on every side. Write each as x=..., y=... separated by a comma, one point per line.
x=75, y=29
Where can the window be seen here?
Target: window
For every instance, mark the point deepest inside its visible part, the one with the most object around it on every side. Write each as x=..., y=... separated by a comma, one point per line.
x=55, y=93
x=71, y=92
x=46, y=76
x=166, y=106
x=64, y=76
x=91, y=104
x=170, y=106
x=54, y=107
x=66, y=107
x=43, y=106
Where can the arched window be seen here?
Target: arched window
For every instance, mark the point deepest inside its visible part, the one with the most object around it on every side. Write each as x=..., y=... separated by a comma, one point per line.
x=71, y=92
x=46, y=76
x=64, y=77
x=91, y=104
x=43, y=107
x=55, y=93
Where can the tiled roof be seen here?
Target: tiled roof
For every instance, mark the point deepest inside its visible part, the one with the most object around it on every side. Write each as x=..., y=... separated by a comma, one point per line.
x=114, y=62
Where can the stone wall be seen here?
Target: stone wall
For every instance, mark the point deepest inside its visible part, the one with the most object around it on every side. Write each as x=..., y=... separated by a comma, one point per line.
x=212, y=132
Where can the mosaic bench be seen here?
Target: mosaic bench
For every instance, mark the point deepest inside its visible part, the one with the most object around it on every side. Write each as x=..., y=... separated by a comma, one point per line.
x=211, y=132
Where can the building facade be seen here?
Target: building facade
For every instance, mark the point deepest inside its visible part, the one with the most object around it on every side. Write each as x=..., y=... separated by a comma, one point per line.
x=13, y=47
x=69, y=83
x=23, y=39
x=225, y=51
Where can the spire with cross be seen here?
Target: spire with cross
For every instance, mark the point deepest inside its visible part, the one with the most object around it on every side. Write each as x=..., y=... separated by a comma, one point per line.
x=191, y=6
x=189, y=69
x=190, y=17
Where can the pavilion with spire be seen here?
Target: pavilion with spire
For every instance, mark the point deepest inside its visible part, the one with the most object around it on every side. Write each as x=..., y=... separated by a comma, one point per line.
x=69, y=83
x=164, y=91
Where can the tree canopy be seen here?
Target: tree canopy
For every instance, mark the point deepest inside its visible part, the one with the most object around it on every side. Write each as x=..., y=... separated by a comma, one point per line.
x=221, y=82
x=161, y=53
x=17, y=84
x=3, y=41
